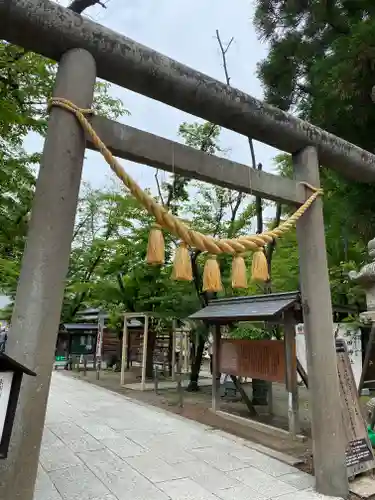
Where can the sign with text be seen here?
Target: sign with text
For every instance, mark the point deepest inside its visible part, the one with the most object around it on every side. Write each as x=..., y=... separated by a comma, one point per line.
x=99, y=339
x=6, y=379
x=359, y=453
x=345, y=331
x=262, y=359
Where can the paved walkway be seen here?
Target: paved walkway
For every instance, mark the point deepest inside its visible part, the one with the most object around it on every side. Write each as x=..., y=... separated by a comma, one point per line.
x=98, y=445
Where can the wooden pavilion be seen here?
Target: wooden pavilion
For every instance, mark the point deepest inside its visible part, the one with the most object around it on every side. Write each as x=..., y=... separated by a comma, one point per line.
x=165, y=347
x=270, y=360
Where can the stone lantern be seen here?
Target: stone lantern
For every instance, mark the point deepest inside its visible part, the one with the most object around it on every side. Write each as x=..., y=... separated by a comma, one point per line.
x=366, y=279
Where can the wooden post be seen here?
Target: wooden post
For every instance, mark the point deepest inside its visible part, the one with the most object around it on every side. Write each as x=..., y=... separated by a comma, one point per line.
x=291, y=373
x=244, y=395
x=270, y=398
x=215, y=367
x=124, y=350
x=327, y=428
x=174, y=350
x=144, y=354
x=37, y=308
x=186, y=351
x=156, y=379
x=302, y=373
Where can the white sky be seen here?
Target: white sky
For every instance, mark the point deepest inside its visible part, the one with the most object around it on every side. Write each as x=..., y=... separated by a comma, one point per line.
x=185, y=31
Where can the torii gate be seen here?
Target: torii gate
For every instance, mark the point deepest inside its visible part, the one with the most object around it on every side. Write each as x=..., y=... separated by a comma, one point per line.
x=85, y=50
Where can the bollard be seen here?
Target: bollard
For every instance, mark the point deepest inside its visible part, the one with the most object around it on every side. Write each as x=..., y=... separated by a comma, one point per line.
x=84, y=366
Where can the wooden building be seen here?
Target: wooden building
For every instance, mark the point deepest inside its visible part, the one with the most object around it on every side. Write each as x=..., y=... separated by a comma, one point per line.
x=80, y=338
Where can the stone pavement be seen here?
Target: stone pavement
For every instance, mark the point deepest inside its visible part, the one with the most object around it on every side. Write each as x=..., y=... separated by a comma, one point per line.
x=98, y=445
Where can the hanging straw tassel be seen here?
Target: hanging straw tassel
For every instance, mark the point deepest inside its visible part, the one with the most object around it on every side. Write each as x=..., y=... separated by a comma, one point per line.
x=239, y=273
x=155, y=247
x=211, y=275
x=182, y=270
x=259, y=268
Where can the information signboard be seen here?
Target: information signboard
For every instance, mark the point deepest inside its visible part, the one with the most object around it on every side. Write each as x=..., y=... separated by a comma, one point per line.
x=261, y=359
x=359, y=453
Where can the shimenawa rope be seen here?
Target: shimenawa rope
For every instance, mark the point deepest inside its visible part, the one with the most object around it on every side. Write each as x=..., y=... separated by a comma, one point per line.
x=164, y=219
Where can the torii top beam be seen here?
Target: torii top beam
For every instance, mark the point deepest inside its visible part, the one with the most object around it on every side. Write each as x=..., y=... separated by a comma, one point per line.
x=49, y=29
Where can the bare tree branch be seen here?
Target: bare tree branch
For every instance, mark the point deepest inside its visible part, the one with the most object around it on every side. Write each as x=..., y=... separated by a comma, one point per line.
x=219, y=215
x=79, y=227
x=259, y=205
x=224, y=51
x=271, y=246
x=234, y=206
x=234, y=210
x=258, y=200
x=78, y=6
x=252, y=152
x=223, y=54
x=159, y=187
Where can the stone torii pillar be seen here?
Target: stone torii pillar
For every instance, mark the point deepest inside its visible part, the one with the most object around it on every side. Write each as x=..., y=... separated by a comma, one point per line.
x=366, y=279
x=37, y=308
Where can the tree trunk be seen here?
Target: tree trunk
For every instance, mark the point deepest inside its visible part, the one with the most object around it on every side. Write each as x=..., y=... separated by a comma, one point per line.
x=260, y=392
x=196, y=366
x=196, y=360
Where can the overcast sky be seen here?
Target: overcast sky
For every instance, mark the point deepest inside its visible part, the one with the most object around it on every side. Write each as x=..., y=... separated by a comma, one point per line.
x=185, y=31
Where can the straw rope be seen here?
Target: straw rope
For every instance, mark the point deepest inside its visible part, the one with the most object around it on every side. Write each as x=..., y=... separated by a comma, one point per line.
x=192, y=238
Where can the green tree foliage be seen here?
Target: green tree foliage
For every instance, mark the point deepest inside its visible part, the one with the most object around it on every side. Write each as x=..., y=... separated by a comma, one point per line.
x=122, y=280
x=108, y=266
x=320, y=66
x=346, y=245
x=26, y=82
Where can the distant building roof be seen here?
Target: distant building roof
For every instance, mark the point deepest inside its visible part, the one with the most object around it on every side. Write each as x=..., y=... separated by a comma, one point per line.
x=249, y=308
x=92, y=313
x=91, y=317
x=79, y=326
x=133, y=323
x=90, y=310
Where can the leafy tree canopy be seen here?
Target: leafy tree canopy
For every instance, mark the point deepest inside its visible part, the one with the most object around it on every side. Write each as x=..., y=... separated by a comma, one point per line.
x=320, y=66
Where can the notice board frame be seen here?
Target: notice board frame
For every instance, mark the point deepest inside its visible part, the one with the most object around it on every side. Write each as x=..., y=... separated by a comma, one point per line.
x=260, y=359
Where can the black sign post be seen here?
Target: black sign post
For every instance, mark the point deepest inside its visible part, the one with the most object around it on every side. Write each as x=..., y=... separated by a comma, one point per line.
x=11, y=373
x=359, y=454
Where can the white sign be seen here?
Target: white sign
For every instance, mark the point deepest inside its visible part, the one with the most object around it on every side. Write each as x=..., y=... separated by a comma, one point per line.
x=99, y=344
x=99, y=341
x=345, y=331
x=6, y=379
